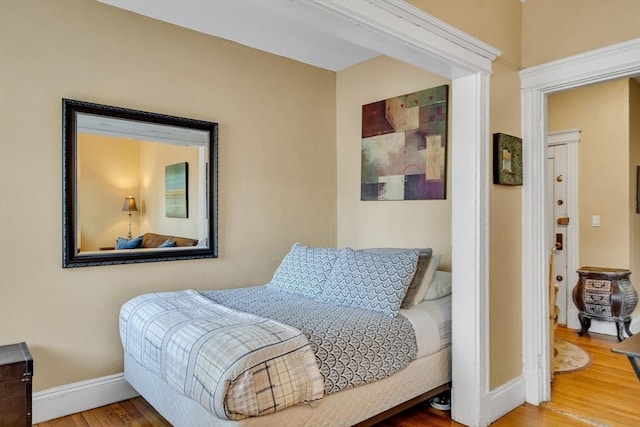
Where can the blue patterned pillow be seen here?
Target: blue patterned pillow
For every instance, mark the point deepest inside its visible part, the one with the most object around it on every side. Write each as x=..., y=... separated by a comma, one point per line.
x=368, y=280
x=419, y=284
x=122, y=243
x=304, y=270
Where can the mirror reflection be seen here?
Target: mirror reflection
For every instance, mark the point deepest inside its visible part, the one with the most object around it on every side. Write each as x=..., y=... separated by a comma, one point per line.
x=138, y=187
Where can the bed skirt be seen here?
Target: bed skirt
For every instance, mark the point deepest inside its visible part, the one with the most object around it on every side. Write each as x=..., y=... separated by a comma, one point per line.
x=345, y=408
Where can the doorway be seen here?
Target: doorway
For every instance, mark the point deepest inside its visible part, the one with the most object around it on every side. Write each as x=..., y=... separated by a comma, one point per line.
x=608, y=63
x=563, y=218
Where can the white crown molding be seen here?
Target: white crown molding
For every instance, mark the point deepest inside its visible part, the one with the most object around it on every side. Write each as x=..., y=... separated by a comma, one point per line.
x=402, y=31
x=608, y=63
x=69, y=399
x=435, y=26
x=568, y=136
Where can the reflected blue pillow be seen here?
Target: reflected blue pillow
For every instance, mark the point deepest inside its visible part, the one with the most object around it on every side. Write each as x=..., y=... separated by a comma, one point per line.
x=122, y=243
x=167, y=244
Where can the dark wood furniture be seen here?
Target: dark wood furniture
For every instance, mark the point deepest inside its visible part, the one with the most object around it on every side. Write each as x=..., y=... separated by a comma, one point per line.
x=16, y=372
x=630, y=348
x=605, y=294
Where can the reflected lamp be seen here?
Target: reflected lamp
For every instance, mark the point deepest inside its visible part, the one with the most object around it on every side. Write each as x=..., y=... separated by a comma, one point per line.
x=129, y=206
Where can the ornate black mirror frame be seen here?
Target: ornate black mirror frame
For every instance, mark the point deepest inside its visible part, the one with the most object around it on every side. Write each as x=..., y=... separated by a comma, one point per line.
x=71, y=254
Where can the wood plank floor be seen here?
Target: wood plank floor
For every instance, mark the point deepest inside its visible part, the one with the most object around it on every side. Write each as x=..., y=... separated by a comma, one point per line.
x=607, y=393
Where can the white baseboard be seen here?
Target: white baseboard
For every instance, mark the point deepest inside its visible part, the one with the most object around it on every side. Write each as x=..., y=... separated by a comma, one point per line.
x=68, y=399
x=507, y=397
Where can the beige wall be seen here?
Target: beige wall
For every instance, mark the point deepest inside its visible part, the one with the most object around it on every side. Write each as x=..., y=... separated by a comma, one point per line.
x=601, y=112
x=277, y=167
x=554, y=29
x=419, y=223
x=498, y=23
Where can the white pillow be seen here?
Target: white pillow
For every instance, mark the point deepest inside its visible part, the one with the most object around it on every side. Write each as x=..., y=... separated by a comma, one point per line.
x=440, y=286
x=427, y=280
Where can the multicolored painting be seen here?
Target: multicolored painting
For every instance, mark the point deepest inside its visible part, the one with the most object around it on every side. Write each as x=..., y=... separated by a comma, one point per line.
x=404, y=147
x=175, y=190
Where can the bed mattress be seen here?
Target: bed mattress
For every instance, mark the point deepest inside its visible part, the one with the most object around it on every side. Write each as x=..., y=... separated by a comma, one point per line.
x=345, y=408
x=430, y=321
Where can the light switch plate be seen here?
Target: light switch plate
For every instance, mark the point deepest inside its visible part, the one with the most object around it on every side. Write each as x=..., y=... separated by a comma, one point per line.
x=595, y=221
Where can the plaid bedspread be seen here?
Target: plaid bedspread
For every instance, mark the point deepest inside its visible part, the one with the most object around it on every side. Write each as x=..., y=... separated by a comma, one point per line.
x=233, y=363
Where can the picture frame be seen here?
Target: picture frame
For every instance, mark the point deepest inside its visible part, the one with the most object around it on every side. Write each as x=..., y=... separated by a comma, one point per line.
x=404, y=147
x=638, y=189
x=176, y=190
x=507, y=159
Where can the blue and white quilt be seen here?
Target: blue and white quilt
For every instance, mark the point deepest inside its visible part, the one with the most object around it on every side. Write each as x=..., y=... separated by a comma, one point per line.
x=352, y=346
x=235, y=364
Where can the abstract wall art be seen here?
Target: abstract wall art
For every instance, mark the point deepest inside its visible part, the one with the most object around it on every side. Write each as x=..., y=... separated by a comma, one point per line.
x=175, y=190
x=404, y=147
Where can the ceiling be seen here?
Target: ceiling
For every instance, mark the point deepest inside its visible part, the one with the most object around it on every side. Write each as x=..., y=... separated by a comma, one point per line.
x=299, y=30
x=295, y=29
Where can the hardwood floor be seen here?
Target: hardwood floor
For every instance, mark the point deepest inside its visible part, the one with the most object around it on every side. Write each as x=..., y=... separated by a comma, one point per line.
x=607, y=393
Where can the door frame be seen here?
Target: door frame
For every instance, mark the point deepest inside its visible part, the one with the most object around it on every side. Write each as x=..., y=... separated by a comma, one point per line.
x=570, y=138
x=621, y=60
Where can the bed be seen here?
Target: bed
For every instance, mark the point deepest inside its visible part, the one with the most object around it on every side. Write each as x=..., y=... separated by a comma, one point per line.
x=351, y=341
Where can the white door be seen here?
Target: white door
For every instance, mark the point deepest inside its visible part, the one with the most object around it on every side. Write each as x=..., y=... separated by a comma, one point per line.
x=557, y=167
x=562, y=185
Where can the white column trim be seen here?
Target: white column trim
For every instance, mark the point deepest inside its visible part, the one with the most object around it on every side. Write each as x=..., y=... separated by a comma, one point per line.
x=612, y=62
x=536, y=246
x=470, y=184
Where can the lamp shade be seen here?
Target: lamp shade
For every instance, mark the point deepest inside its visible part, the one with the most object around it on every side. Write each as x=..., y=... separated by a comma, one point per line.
x=129, y=204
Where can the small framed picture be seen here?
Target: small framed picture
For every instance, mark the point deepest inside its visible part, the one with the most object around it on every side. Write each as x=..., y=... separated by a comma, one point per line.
x=507, y=159
x=638, y=189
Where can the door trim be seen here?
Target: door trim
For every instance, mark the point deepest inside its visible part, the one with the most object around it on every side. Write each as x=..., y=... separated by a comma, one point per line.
x=570, y=138
x=620, y=60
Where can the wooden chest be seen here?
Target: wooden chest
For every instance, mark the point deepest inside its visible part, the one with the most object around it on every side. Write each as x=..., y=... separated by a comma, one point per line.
x=16, y=372
x=605, y=294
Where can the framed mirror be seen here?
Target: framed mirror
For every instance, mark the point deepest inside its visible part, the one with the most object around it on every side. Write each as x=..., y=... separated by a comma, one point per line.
x=137, y=186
